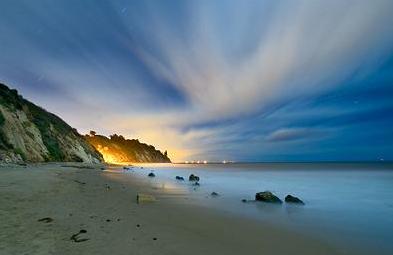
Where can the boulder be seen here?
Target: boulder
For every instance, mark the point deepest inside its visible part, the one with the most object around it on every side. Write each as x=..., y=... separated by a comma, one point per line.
x=151, y=175
x=179, y=178
x=293, y=199
x=268, y=197
x=193, y=178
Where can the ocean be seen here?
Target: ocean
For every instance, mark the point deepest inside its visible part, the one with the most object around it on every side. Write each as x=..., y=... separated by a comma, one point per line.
x=346, y=204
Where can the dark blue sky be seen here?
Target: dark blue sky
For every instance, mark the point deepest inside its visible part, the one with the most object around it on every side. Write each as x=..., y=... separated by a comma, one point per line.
x=212, y=80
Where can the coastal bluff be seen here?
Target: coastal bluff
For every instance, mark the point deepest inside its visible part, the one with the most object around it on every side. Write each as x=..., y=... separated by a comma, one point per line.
x=28, y=133
x=117, y=149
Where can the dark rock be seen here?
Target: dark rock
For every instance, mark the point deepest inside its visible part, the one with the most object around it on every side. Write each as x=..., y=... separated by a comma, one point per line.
x=137, y=225
x=292, y=199
x=154, y=238
x=179, y=178
x=244, y=200
x=193, y=178
x=75, y=237
x=151, y=175
x=268, y=197
x=108, y=220
x=46, y=220
x=196, y=184
x=214, y=194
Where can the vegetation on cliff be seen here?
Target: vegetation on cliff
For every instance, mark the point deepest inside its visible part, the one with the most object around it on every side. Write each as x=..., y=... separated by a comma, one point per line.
x=30, y=133
x=117, y=149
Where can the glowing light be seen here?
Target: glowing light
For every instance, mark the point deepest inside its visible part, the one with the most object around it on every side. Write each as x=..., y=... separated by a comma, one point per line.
x=108, y=156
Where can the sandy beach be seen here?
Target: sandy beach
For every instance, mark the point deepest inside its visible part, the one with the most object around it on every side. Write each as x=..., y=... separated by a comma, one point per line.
x=103, y=210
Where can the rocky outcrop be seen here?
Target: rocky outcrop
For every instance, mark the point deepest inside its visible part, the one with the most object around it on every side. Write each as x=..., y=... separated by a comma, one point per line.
x=293, y=199
x=117, y=149
x=267, y=196
x=30, y=133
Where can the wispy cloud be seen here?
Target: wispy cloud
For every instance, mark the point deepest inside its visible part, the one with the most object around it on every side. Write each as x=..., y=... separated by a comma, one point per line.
x=195, y=76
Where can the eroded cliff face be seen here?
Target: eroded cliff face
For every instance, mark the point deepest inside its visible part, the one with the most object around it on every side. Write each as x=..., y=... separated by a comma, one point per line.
x=117, y=149
x=29, y=133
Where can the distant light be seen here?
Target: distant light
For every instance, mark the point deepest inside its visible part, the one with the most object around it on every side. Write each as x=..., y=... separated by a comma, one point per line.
x=224, y=162
x=186, y=162
x=204, y=162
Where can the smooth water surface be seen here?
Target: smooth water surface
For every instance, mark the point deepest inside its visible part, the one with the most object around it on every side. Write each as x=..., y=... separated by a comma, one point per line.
x=350, y=204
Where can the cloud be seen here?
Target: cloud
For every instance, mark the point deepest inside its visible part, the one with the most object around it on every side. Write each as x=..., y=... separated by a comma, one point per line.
x=194, y=77
x=290, y=134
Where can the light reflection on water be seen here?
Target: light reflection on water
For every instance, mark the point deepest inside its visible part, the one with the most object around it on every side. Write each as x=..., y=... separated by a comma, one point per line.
x=348, y=203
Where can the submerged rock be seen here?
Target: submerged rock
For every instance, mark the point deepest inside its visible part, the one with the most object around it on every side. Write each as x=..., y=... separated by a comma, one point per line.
x=268, y=197
x=214, y=194
x=196, y=184
x=293, y=199
x=151, y=175
x=193, y=178
x=179, y=178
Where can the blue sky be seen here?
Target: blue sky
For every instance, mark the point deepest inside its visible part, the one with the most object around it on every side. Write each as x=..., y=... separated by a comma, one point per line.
x=212, y=80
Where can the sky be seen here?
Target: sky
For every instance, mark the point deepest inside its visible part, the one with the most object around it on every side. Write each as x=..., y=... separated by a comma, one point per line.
x=211, y=80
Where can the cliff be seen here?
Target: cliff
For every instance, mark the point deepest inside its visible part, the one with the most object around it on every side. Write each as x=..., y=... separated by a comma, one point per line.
x=117, y=149
x=30, y=133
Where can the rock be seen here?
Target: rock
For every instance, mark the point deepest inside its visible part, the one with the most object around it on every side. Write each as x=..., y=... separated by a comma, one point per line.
x=151, y=175
x=46, y=220
x=193, y=178
x=196, y=184
x=268, y=197
x=214, y=194
x=244, y=200
x=179, y=178
x=75, y=237
x=292, y=199
x=143, y=198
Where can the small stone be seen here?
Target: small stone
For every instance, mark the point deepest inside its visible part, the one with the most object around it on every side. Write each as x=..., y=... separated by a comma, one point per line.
x=154, y=238
x=151, y=175
x=244, y=200
x=46, y=220
x=193, y=178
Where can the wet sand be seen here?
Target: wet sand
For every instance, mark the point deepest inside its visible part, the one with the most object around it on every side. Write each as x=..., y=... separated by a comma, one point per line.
x=105, y=209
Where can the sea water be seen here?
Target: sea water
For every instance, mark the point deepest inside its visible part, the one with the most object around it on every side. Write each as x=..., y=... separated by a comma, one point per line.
x=346, y=203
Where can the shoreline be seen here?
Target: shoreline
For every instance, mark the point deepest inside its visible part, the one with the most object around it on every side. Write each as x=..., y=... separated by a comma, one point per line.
x=78, y=199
